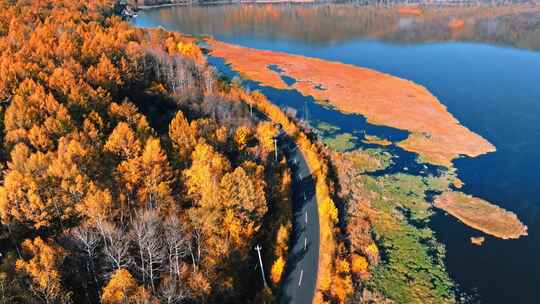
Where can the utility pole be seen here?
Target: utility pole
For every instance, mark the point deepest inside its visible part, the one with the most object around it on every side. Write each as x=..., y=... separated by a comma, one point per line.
x=258, y=248
x=275, y=146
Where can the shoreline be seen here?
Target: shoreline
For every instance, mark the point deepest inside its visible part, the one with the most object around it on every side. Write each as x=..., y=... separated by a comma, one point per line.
x=398, y=5
x=147, y=7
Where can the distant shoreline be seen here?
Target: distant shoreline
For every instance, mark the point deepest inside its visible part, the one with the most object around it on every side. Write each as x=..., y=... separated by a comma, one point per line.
x=146, y=7
x=442, y=3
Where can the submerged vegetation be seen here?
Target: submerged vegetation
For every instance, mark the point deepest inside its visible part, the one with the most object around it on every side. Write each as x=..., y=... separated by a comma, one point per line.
x=341, y=142
x=410, y=268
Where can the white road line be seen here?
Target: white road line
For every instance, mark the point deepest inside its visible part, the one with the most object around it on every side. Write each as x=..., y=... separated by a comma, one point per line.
x=301, y=275
x=306, y=216
x=305, y=243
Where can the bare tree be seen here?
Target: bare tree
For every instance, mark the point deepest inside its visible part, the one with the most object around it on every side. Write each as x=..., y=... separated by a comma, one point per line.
x=116, y=246
x=172, y=292
x=87, y=241
x=177, y=242
x=147, y=227
x=197, y=238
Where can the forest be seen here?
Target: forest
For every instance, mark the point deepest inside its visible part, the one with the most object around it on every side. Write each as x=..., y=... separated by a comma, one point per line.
x=131, y=172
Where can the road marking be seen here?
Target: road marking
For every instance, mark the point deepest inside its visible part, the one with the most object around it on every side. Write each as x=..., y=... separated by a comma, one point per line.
x=301, y=275
x=305, y=243
x=304, y=196
x=306, y=216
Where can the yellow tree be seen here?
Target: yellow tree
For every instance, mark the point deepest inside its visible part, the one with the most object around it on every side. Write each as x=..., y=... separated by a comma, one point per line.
x=277, y=270
x=123, y=289
x=105, y=74
x=158, y=176
x=148, y=177
x=182, y=136
x=97, y=205
x=265, y=134
x=42, y=269
x=21, y=196
x=243, y=194
x=35, y=117
x=123, y=142
x=44, y=189
x=204, y=175
x=242, y=135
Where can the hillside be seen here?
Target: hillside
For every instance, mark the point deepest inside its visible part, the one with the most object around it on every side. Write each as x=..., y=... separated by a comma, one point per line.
x=132, y=174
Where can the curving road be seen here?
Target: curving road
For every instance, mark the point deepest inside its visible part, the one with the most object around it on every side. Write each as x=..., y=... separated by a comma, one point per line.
x=300, y=279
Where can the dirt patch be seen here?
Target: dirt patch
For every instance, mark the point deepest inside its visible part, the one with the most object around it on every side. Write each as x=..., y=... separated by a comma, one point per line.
x=436, y=135
x=481, y=215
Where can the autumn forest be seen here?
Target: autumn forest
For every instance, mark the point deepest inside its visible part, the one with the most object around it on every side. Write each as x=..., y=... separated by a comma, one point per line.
x=131, y=173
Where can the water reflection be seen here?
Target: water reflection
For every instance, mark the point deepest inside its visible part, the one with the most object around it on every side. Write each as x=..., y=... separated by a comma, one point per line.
x=512, y=25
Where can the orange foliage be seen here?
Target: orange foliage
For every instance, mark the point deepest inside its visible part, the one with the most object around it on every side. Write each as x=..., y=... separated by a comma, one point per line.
x=122, y=288
x=190, y=50
x=123, y=141
x=242, y=137
x=182, y=136
x=277, y=270
x=359, y=264
x=43, y=269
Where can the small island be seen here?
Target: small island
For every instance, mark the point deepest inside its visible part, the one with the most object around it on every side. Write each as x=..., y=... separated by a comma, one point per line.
x=477, y=240
x=375, y=140
x=481, y=215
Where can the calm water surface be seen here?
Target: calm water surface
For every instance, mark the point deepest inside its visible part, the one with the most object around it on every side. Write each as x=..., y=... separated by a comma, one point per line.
x=487, y=73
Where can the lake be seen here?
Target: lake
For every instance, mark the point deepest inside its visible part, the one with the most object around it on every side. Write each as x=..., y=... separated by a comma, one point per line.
x=482, y=63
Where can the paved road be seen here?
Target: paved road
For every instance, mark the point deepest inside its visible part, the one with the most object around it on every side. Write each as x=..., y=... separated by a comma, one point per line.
x=300, y=278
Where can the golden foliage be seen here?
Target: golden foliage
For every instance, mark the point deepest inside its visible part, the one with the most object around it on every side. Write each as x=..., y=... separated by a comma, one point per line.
x=43, y=269
x=182, y=135
x=265, y=134
x=123, y=141
x=123, y=289
x=242, y=136
x=359, y=264
x=190, y=50
x=208, y=166
x=277, y=270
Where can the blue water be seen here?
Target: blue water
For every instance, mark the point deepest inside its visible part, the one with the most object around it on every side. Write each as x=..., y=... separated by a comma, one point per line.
x=492, y=90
